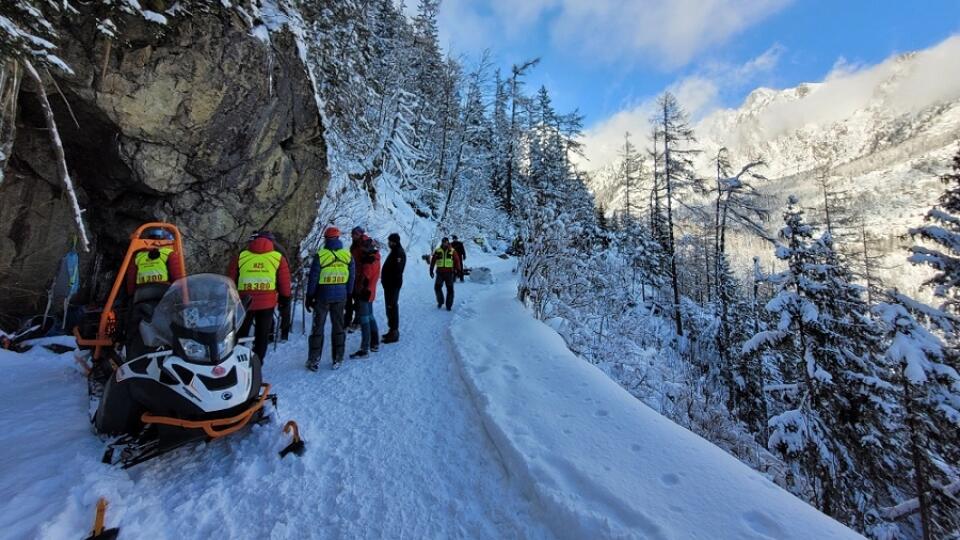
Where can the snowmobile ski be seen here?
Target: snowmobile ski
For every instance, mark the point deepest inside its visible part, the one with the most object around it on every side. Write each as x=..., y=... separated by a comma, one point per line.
x=130, y=450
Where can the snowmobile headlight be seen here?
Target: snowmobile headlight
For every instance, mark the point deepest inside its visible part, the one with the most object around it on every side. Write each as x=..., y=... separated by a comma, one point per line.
x=194, y=350
x=226, y=346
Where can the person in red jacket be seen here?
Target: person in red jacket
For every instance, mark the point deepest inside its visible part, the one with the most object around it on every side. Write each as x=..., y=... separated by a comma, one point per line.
x=364, y=293
x=351, y=317
x=153, y=265
x=262, y=275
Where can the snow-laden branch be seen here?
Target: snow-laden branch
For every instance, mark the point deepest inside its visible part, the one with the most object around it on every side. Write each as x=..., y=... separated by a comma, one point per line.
x=912, y=506
x=58, y=152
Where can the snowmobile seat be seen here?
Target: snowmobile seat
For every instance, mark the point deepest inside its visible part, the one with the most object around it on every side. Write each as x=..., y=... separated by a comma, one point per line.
x=144, y=303
x=150, y=293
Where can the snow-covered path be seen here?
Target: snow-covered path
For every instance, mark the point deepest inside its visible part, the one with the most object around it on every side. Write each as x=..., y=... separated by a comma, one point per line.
x=598, y=462
x=395, y=450
x=478, y=424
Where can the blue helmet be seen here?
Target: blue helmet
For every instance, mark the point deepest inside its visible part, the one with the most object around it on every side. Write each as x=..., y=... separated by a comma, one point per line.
x=156, y=233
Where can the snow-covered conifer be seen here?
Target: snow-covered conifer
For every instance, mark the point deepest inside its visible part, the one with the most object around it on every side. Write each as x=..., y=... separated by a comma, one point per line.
x=943, y=232
x=836, y=419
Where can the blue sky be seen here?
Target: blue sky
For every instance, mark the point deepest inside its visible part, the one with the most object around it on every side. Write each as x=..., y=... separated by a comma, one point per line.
x=607, y=56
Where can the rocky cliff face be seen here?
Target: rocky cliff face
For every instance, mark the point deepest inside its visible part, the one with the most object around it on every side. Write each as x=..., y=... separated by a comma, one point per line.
x=196, y=122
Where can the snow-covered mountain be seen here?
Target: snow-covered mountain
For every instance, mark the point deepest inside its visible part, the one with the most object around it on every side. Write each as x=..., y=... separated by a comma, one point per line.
x=883, y=134
x=854, y=123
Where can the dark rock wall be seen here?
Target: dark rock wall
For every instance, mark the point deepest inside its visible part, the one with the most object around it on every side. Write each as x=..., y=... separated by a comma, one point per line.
x=197, y=123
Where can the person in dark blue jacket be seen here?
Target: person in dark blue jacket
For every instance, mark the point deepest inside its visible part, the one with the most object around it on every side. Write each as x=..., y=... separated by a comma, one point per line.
x=332, y=274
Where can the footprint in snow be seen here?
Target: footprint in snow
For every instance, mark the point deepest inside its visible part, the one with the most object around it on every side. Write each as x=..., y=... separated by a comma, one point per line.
x=635, y=447
x=670, y=479
x=512, y=370
x=763, y=524
x=602, y=412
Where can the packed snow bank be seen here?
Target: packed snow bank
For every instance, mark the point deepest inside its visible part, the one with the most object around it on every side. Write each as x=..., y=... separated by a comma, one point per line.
x=598, y=462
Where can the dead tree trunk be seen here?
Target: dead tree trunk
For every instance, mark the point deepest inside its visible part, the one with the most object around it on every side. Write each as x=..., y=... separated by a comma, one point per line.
x=57, y=144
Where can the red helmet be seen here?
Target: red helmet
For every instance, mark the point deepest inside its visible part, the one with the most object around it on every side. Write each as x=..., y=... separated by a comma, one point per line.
x=331, y=232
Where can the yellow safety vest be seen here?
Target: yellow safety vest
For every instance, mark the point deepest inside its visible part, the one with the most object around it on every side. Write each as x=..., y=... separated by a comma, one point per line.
x=446, y=258
x=153, y=270
x=258, y=271
x=334, y=266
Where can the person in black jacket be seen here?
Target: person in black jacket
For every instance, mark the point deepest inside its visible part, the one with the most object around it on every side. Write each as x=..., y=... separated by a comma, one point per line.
x=459, y=248
x=392, y=279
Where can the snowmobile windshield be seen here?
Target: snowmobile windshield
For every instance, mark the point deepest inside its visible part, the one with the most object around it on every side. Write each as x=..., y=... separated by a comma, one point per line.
x=198, y=316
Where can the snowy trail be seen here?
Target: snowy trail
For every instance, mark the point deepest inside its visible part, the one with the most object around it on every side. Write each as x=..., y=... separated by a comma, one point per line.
x=598, y=462
x=395, y=449
x=479, y=424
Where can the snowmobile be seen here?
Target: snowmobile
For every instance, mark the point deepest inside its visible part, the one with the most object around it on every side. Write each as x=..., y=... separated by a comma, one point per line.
x=182, y=375
x=197, y=382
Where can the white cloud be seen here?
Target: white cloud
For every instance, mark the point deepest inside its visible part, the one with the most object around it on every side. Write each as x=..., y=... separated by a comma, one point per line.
x=657, y=32
x=463, y=29
x=928, y=77
x=699, y=95
x=900, y=84
x=761, y=65
x=603, y=141
x=666, y=34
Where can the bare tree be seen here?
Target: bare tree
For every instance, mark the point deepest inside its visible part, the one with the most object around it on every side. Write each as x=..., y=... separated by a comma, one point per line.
x=676, y=136
x=515, y=86
x=58, y=152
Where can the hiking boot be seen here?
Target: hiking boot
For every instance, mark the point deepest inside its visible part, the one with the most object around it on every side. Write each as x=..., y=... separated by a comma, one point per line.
x=391, y=337
x=374, y=348
x=336, y=364
x=313, y=366
x=449, y=308
x=439, y=305
x=359, y=354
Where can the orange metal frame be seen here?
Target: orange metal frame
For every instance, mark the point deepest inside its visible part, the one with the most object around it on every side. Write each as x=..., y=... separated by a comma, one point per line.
x=101, y=515
x=292, y=426
x=233, y=424
x=108, y=319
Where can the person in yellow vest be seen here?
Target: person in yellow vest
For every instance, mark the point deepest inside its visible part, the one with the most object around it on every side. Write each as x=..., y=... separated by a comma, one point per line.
x=448, y=266
x=150, y=272
x=262, y=275
x=153, y=265
x=331, y=281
